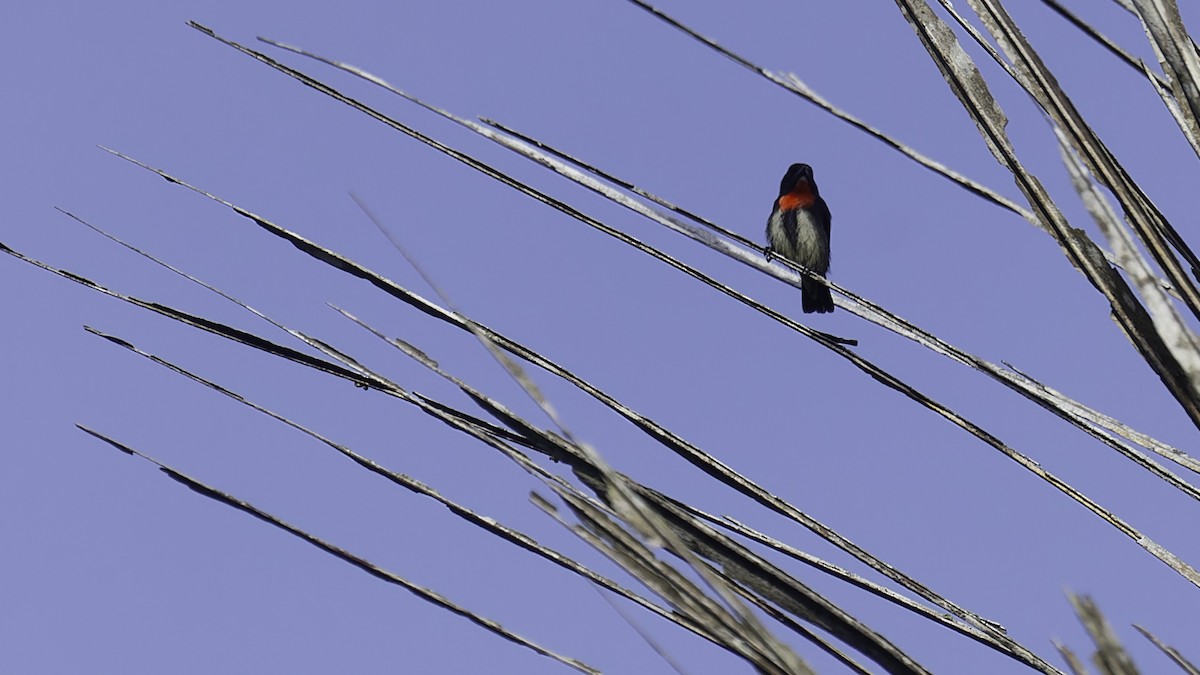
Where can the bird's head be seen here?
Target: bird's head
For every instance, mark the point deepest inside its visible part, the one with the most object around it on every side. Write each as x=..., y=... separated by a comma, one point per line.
x=797, y=176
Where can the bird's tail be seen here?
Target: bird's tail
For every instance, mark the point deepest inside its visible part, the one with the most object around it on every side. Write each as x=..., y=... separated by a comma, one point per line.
x=815, y=296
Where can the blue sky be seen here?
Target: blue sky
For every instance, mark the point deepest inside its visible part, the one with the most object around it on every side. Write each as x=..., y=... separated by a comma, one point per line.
x=110, y=568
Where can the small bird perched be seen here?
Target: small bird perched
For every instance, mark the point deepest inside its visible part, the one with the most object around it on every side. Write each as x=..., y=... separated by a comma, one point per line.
x=798, y=230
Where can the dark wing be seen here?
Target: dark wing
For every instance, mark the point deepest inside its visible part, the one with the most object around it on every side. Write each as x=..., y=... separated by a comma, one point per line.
x=821, y=210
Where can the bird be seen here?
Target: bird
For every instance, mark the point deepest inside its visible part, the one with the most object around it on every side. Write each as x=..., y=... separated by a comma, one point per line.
x=798, y=230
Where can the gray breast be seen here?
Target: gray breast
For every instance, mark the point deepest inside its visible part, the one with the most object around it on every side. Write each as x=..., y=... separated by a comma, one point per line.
x=804, y=243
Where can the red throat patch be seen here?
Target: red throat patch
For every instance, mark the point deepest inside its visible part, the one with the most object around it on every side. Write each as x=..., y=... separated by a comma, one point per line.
x=801, y=197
